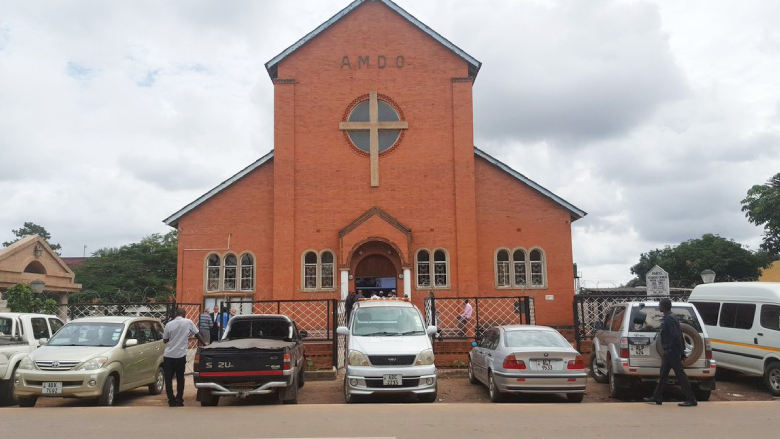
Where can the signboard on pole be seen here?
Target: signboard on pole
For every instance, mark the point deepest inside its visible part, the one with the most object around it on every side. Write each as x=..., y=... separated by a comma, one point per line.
x=657, y=281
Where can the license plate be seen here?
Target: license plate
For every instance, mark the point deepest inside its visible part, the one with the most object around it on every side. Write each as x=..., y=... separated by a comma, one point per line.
x=51, y=388
x=544, y=364
x=392, y=380
x=639, y=350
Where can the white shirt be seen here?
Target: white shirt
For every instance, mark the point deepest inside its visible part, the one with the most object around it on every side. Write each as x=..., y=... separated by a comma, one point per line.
x=177, y=332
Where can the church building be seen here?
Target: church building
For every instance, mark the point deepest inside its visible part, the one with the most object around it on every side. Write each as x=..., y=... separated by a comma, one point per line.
x=374, y=183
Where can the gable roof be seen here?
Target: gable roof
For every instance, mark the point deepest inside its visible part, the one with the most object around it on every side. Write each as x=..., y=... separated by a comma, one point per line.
x=173, y=220
x=31, y=241
x=576, y=213
x=474, y=65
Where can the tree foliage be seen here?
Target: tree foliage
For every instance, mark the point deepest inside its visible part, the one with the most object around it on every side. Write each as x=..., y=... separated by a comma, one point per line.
x=20, y=298
x=762, y=207
x=131, y=273
x=729, y=260
x=33, y=229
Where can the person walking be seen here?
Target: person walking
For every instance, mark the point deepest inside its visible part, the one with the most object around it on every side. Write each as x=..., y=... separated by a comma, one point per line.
x=465, y=317
x=205, y=325
x=175, y=336
x=674, y=351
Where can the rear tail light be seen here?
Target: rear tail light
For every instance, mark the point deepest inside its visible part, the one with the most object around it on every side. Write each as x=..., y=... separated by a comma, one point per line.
x=623, y=348
x=577, y=363
x=707, y=349
x=196, y=362
x=510, y=362
x=287, y=362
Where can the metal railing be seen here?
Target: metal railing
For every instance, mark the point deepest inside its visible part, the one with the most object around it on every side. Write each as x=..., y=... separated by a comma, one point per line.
x=447, y=315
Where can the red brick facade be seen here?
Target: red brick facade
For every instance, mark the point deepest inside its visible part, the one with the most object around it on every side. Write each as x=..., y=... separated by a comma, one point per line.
x=434, y=192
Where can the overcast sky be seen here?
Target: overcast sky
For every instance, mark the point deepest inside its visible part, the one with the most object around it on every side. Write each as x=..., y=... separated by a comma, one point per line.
x=655, y=117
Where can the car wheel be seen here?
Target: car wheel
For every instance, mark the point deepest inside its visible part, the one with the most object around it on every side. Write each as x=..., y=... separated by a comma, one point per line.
x=109, y=392
x=598, y=375
x=7, y=391
x=701, y=394
x=301, y=379
x=772, y=378
x=472, y=378
x=575, y=397
x=208, y=399
x=495, y=394
x=27, y=401
x=158, y=385
x=614, y=390
x=348, y=397
x=290, y=394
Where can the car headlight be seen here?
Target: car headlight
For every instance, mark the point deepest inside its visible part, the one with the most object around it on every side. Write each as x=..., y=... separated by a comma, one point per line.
x=27, y=364
x=425, y=358
x=357, y=358
x=92, y=364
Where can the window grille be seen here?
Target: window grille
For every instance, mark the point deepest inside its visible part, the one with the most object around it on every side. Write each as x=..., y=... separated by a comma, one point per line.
x=247, y=272
x=212, y=273
x=230, y=272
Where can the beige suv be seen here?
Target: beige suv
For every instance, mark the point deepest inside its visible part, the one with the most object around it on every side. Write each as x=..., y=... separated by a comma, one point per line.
x=94, y=357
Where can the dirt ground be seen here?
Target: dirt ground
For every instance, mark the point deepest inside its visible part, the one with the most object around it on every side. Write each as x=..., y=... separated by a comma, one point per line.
x=454, y=387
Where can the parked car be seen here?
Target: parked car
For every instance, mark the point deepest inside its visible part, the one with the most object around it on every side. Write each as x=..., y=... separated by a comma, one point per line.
x=258, y=354
x=516, y=359
x=94, y=357
x=389, y=351
x=743, y=319
x=20, y=334
x=627, y=349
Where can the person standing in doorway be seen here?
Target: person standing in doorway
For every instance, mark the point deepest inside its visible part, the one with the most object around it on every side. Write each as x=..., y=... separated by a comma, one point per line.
x=205, y=324
x=465, y=317
x=673, y=346
x=214, y=327
x=348, y=304
x=222, y=320
x=175, y=336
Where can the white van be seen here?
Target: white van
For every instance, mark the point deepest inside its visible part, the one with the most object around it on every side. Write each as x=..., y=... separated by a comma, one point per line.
x=743, y=321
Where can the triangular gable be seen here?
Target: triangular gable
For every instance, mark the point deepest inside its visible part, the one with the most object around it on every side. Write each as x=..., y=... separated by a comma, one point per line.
x=29, y=242
x=378, y=212
x=576, y=213
x=173, y=220
x=474, y=65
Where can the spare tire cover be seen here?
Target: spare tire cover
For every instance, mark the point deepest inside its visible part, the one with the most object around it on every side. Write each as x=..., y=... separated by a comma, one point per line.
x=693, y=341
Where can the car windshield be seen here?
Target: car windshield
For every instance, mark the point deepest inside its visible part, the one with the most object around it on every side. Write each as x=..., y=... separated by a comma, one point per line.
x=88, y=334
x=535, y=339
x=389, y=321
x=648, y=318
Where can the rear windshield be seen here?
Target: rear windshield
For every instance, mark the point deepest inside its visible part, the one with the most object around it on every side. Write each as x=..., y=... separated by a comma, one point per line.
x=535, y=339
x=88, y=334
x=271, y=328
x=648, y=318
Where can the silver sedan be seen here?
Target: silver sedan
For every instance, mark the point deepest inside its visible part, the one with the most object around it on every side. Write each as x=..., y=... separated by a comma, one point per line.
x=527, y=359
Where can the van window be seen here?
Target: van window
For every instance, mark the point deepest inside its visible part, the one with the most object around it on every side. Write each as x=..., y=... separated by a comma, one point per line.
x=617, y=319
x=648, y=318
x=737, y=315
x=770, y=317
x=709, y=312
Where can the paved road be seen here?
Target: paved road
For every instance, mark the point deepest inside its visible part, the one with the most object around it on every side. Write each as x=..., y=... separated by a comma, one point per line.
x=413, y=421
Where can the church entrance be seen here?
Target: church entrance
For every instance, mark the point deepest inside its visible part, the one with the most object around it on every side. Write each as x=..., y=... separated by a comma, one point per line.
x=376, y=269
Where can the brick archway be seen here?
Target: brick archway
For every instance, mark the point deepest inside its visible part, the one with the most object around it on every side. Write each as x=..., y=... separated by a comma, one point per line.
x=376, y=259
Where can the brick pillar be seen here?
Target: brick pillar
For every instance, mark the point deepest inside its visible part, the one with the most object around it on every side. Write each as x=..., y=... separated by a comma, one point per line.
x=285, y=262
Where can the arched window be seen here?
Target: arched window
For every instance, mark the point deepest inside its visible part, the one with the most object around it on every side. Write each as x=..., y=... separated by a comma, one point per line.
x=231, y=268
x=502, y=268
x=212, y=272
x=423, y=268
x=326, y=270
x=247, y=272
x=537, y=268
x=520, y=268
x=310, y=271
x=441, y=276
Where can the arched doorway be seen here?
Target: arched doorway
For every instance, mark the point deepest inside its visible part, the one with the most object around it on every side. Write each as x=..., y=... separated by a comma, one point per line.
x=375, y=268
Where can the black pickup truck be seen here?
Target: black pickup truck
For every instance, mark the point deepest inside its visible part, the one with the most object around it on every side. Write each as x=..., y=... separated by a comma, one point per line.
x=259, y=354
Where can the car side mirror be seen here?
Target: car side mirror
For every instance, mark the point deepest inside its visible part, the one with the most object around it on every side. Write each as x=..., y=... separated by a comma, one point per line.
x=431, y=330
x=131, y=342
x=598, y=326
x=342, y=330
x=42, y=341
x=303, y=333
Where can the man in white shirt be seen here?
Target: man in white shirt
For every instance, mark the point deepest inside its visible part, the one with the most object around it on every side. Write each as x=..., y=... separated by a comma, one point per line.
x=464, y=317
x=176, y=336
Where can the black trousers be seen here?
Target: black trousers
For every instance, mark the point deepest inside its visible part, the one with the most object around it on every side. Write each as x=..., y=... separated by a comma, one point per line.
x=673, y=362
x=174, y=366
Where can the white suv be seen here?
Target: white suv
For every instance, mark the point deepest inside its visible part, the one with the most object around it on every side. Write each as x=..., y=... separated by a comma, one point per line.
x=627, y=348
x=389, y=350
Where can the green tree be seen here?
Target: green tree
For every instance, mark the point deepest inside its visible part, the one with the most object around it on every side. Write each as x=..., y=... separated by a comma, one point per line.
x=33, y=229
x=131, y=273
x=21, y=298
x=762, y=207
x=729, y=259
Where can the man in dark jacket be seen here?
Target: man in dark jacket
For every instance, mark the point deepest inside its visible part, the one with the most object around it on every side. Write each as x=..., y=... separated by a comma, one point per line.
x=674, y=351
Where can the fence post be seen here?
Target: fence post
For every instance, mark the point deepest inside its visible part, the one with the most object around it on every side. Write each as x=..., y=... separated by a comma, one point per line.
x=477, y=328
x=434, y=321
x=335, y=320
x=576, y=325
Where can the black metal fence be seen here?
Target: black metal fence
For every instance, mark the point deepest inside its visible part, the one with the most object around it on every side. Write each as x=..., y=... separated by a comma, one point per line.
x=590, y=306
x=448, y=314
